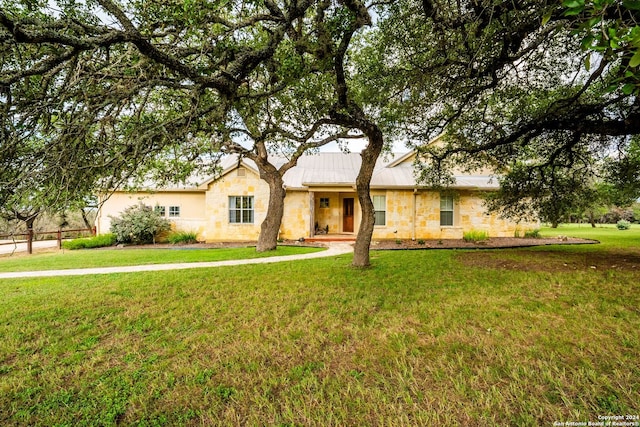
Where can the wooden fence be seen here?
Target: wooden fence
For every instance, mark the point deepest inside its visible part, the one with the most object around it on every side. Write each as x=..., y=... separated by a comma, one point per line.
x=30, y=235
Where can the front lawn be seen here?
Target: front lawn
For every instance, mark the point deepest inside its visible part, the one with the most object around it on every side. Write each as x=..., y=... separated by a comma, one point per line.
x=421, y=338
x=618, y=250
x=90, y=258
x=607, y=234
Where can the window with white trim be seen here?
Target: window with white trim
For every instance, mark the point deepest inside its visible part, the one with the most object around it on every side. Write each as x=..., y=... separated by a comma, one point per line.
x=160, y=210
x=446, y=211
x=380, y=208
x=324, y=202
x=241, y=209
x=174, y=211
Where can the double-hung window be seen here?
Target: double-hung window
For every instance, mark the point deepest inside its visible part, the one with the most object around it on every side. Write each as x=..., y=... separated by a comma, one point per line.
x=160, y=210
x=446, y=211
x=380, y=208
x=241, y=209
x=174, y=211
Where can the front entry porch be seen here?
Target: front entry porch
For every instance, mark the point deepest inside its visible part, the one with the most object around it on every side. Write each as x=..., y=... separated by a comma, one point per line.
x=338, y=237
x=334, y=214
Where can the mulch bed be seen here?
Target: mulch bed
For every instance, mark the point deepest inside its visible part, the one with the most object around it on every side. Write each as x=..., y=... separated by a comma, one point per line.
x=213, y=245
x=407, y=244
x=492, y=243
x=540, y=260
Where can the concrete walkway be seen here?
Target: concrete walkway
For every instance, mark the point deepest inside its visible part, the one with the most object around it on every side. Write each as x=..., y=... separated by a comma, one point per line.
x=8, y=247
x=335, y=248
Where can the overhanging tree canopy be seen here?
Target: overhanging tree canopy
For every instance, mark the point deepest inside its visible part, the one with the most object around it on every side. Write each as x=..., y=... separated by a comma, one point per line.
x=109, y=87
x=145, y=77
x=534, y=89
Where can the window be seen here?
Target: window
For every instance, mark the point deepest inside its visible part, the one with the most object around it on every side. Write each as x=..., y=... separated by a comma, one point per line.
x=174, y=211
x=241, y=209
x=324, y=202
x=380, y=208
x=446, y=211
x=160, y=210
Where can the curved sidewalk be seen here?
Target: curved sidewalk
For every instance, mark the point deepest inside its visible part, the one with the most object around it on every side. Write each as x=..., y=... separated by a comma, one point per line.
x=338, y=248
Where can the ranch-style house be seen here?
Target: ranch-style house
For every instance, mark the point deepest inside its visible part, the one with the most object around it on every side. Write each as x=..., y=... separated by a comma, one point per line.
x=321, y=198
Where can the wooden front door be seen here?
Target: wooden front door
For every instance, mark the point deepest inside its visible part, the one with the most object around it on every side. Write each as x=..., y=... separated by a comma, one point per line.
x=347, y=215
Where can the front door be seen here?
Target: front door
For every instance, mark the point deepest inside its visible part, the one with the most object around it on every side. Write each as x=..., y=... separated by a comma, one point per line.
x=347, y=215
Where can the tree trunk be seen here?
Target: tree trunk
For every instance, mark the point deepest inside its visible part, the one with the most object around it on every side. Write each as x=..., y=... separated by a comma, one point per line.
x=554, y=224
x=29, y=218
x=85, y=219
x=592, y=219
x=270, y=227
x=29, y=221
x=363, y=184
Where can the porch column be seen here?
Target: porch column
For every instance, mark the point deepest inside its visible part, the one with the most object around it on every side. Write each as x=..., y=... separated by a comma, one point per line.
x=312, y=213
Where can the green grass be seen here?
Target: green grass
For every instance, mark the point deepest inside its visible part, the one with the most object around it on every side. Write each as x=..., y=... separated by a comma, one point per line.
x=607, y=234
x=418, y=339
x=617, y=250
x=99, y=241
x=475, y=236
x=120, y=257
x=179, y=237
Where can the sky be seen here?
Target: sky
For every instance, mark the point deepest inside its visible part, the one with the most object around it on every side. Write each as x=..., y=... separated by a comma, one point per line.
x=356, y=146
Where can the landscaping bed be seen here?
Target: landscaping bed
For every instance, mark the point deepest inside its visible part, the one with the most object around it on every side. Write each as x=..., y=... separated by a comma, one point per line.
x=493, y=242
x=214, y=245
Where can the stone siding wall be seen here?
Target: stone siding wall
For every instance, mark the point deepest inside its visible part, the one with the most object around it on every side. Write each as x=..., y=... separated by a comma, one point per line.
x=469, y=214
x=191, y=204
x=246, y=183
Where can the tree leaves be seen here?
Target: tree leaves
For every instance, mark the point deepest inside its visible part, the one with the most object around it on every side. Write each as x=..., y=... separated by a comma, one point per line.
x=635, y=59
x=573, y=7
x=549, y=106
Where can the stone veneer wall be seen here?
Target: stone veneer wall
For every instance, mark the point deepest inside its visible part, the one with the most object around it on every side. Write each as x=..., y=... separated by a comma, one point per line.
x=296, y=220
x=331, y=216
x=217, y=206
x=469, y=214
x=192, y=209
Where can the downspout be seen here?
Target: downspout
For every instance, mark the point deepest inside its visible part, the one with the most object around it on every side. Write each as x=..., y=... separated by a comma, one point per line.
x=413, y=222
x=312, y=213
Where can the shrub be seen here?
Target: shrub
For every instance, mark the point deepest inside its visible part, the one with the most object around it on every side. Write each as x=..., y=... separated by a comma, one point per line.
x=475, y=236
x=623, y=225
x=138, y=224
x=421, y=241
x=516, y=233
x=90, y=242
x=532, y=234
x=184, y=237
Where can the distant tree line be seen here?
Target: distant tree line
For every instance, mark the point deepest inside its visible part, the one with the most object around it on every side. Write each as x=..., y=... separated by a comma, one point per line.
x=606, y=215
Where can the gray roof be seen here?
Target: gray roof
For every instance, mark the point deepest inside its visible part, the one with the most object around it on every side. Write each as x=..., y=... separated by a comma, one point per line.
x=339, y=169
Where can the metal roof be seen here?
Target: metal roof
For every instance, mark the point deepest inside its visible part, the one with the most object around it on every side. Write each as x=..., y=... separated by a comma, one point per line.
x=341, y=169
